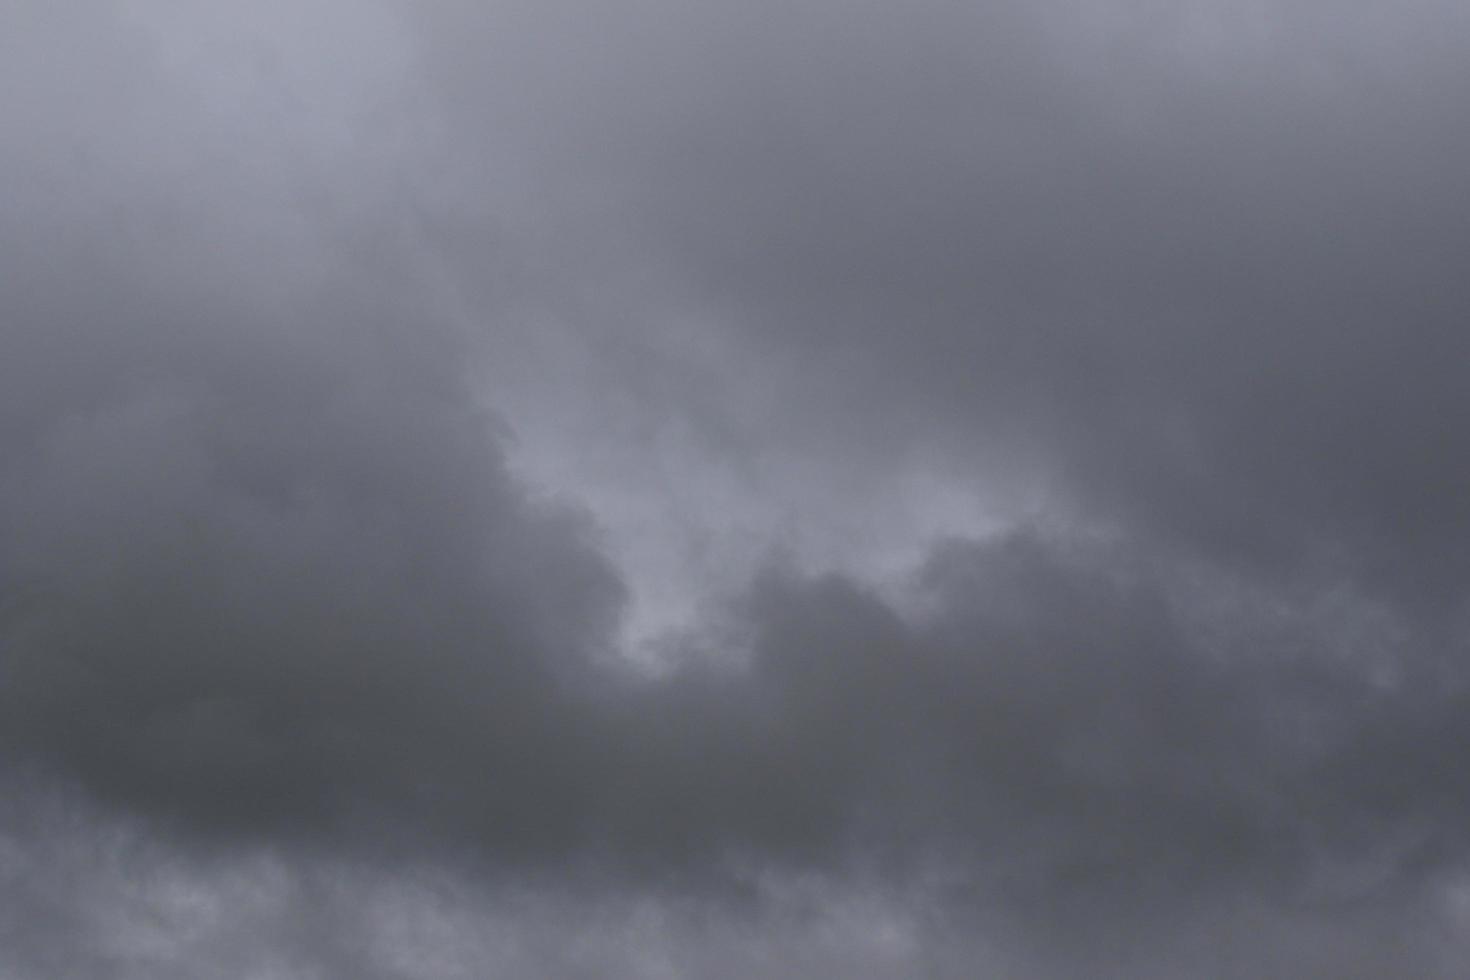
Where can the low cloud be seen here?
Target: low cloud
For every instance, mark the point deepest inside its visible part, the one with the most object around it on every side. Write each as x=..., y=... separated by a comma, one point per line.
x=1041, y=423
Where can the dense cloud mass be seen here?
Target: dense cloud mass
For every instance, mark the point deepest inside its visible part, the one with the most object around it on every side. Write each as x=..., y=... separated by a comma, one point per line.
x=719, y=490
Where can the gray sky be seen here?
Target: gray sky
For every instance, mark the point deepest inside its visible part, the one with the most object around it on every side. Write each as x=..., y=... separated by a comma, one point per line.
x=714, y=490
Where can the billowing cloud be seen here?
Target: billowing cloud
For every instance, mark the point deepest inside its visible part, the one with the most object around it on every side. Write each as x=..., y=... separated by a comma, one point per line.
x=698, y=490
x=1194, y=269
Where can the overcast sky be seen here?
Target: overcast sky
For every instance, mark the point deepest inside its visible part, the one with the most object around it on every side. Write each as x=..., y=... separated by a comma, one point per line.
x=711, y=489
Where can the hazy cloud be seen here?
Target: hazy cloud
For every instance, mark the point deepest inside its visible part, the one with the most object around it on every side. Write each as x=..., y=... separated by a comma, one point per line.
x=711, y=490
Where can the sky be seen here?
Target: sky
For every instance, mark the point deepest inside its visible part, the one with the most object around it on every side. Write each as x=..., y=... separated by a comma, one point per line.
x=693, y=489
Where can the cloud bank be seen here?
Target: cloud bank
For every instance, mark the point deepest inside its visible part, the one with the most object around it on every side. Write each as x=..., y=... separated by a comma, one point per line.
x=698, y=491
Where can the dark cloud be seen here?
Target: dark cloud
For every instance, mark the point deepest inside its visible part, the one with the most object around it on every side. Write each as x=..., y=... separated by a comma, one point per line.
x=1051, y=750
x=354, y=362
x=263, y=560
x=1198, y=269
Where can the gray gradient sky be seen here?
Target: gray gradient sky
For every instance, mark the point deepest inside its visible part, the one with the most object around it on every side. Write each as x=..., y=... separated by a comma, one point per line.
x=713, y=490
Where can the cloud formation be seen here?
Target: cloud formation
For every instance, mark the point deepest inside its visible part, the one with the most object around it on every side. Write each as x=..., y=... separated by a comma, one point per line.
x=1025, y=442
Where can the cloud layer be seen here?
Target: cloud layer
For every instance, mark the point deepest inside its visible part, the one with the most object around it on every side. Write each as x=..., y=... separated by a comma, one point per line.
x=698, y=490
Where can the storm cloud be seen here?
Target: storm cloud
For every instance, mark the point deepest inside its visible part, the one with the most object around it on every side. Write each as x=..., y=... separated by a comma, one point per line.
x=713, y=490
